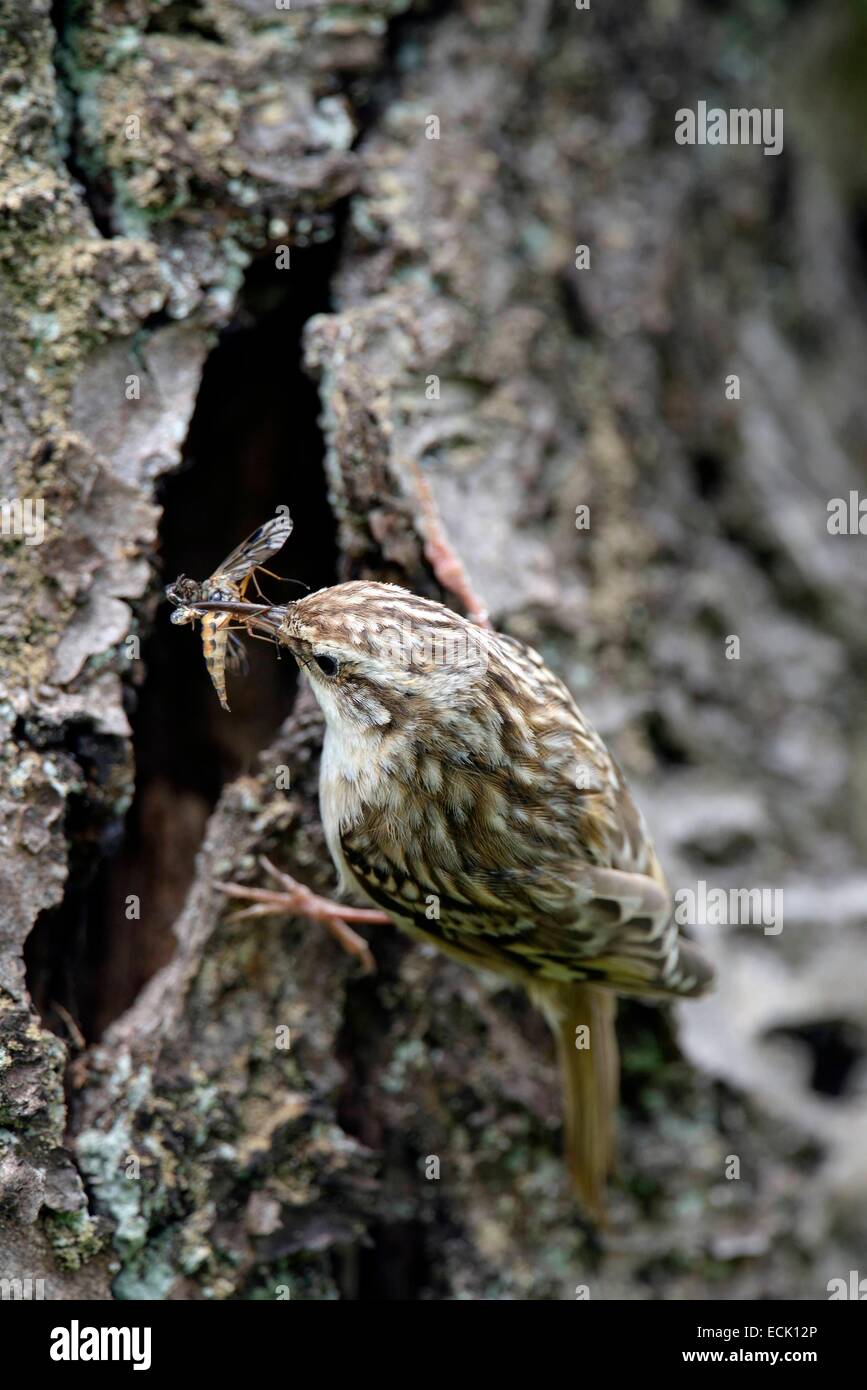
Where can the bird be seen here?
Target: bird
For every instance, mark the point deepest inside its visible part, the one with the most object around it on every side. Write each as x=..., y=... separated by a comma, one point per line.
x=466, y=799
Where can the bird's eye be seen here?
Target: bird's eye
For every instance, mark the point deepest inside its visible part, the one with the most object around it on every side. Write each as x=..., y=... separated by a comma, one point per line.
x=328, y=665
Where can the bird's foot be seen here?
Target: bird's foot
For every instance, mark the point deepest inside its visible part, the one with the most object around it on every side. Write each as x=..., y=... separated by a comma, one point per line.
x=295, y=900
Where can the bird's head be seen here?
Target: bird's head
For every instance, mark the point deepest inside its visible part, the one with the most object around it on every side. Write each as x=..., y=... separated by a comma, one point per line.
x=379, y=657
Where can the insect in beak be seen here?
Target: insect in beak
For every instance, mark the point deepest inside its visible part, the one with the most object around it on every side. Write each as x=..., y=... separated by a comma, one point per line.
x=229, y=582
x=258, y=616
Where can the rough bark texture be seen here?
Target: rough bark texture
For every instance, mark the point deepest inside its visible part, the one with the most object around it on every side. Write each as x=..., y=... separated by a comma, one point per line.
x=185, y=1153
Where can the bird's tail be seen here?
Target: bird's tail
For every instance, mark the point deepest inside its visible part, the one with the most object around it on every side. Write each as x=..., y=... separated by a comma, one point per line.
x=582, y=1019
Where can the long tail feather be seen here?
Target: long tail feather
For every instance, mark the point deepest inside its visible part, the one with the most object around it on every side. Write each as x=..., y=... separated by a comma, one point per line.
x=590, y=1070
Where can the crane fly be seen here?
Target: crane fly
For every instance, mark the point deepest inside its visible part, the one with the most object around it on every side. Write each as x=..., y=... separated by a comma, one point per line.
x=223, y=650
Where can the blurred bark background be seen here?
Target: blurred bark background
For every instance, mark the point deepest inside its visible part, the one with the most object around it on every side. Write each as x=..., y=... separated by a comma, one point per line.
x=166, y=384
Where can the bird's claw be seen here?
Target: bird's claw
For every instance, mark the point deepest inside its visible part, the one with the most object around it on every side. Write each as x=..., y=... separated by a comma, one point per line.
x=295, y=899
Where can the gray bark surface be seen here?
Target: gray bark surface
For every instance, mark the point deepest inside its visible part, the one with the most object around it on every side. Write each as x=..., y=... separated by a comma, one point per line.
x=182, y=1153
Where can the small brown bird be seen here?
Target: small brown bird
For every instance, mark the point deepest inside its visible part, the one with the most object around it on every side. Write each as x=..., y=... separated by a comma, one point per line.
x=463, y=794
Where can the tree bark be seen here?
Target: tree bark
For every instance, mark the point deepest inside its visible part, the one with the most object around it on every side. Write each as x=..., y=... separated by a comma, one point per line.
x=232, y=1111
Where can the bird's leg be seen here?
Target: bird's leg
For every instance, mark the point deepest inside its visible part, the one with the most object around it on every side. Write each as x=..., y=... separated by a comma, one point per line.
x=443, y=558
x=295, y=900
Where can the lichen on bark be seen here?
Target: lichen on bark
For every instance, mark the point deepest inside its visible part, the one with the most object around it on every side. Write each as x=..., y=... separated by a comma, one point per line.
x=198, y=1158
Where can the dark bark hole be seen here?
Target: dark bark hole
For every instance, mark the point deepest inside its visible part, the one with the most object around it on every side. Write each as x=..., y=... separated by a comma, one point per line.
x=184, y=18
x=254, y=443
x=709, y=473
x=95, y=185
x=395, y=1265
x=576, y=314
x=835, y=1047
x=663, y=738
x=859, y=230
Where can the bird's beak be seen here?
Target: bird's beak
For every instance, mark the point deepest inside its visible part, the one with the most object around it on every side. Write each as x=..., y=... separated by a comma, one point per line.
x=259, y=616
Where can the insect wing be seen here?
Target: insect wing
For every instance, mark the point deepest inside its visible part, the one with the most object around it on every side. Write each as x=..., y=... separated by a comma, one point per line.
x=236, y=658
x=265, y=541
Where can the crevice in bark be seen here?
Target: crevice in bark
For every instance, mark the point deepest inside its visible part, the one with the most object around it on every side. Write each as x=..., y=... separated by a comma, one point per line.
x=96, y=191
x=184, y=18
x=57, y=952
x=835, y=1048
x=570, y=301
x=394, y=1261
x=394, y=1265
x=404, y=48
x=664, y=741
x=254, y=443
x=792, y=591
x=709, y=474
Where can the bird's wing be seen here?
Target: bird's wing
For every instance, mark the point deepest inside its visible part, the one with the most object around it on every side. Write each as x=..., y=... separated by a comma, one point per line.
x=516, y=825
x=611, y=928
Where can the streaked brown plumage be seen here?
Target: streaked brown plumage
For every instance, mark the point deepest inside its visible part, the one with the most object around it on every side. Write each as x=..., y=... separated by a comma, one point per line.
x=464, y=794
